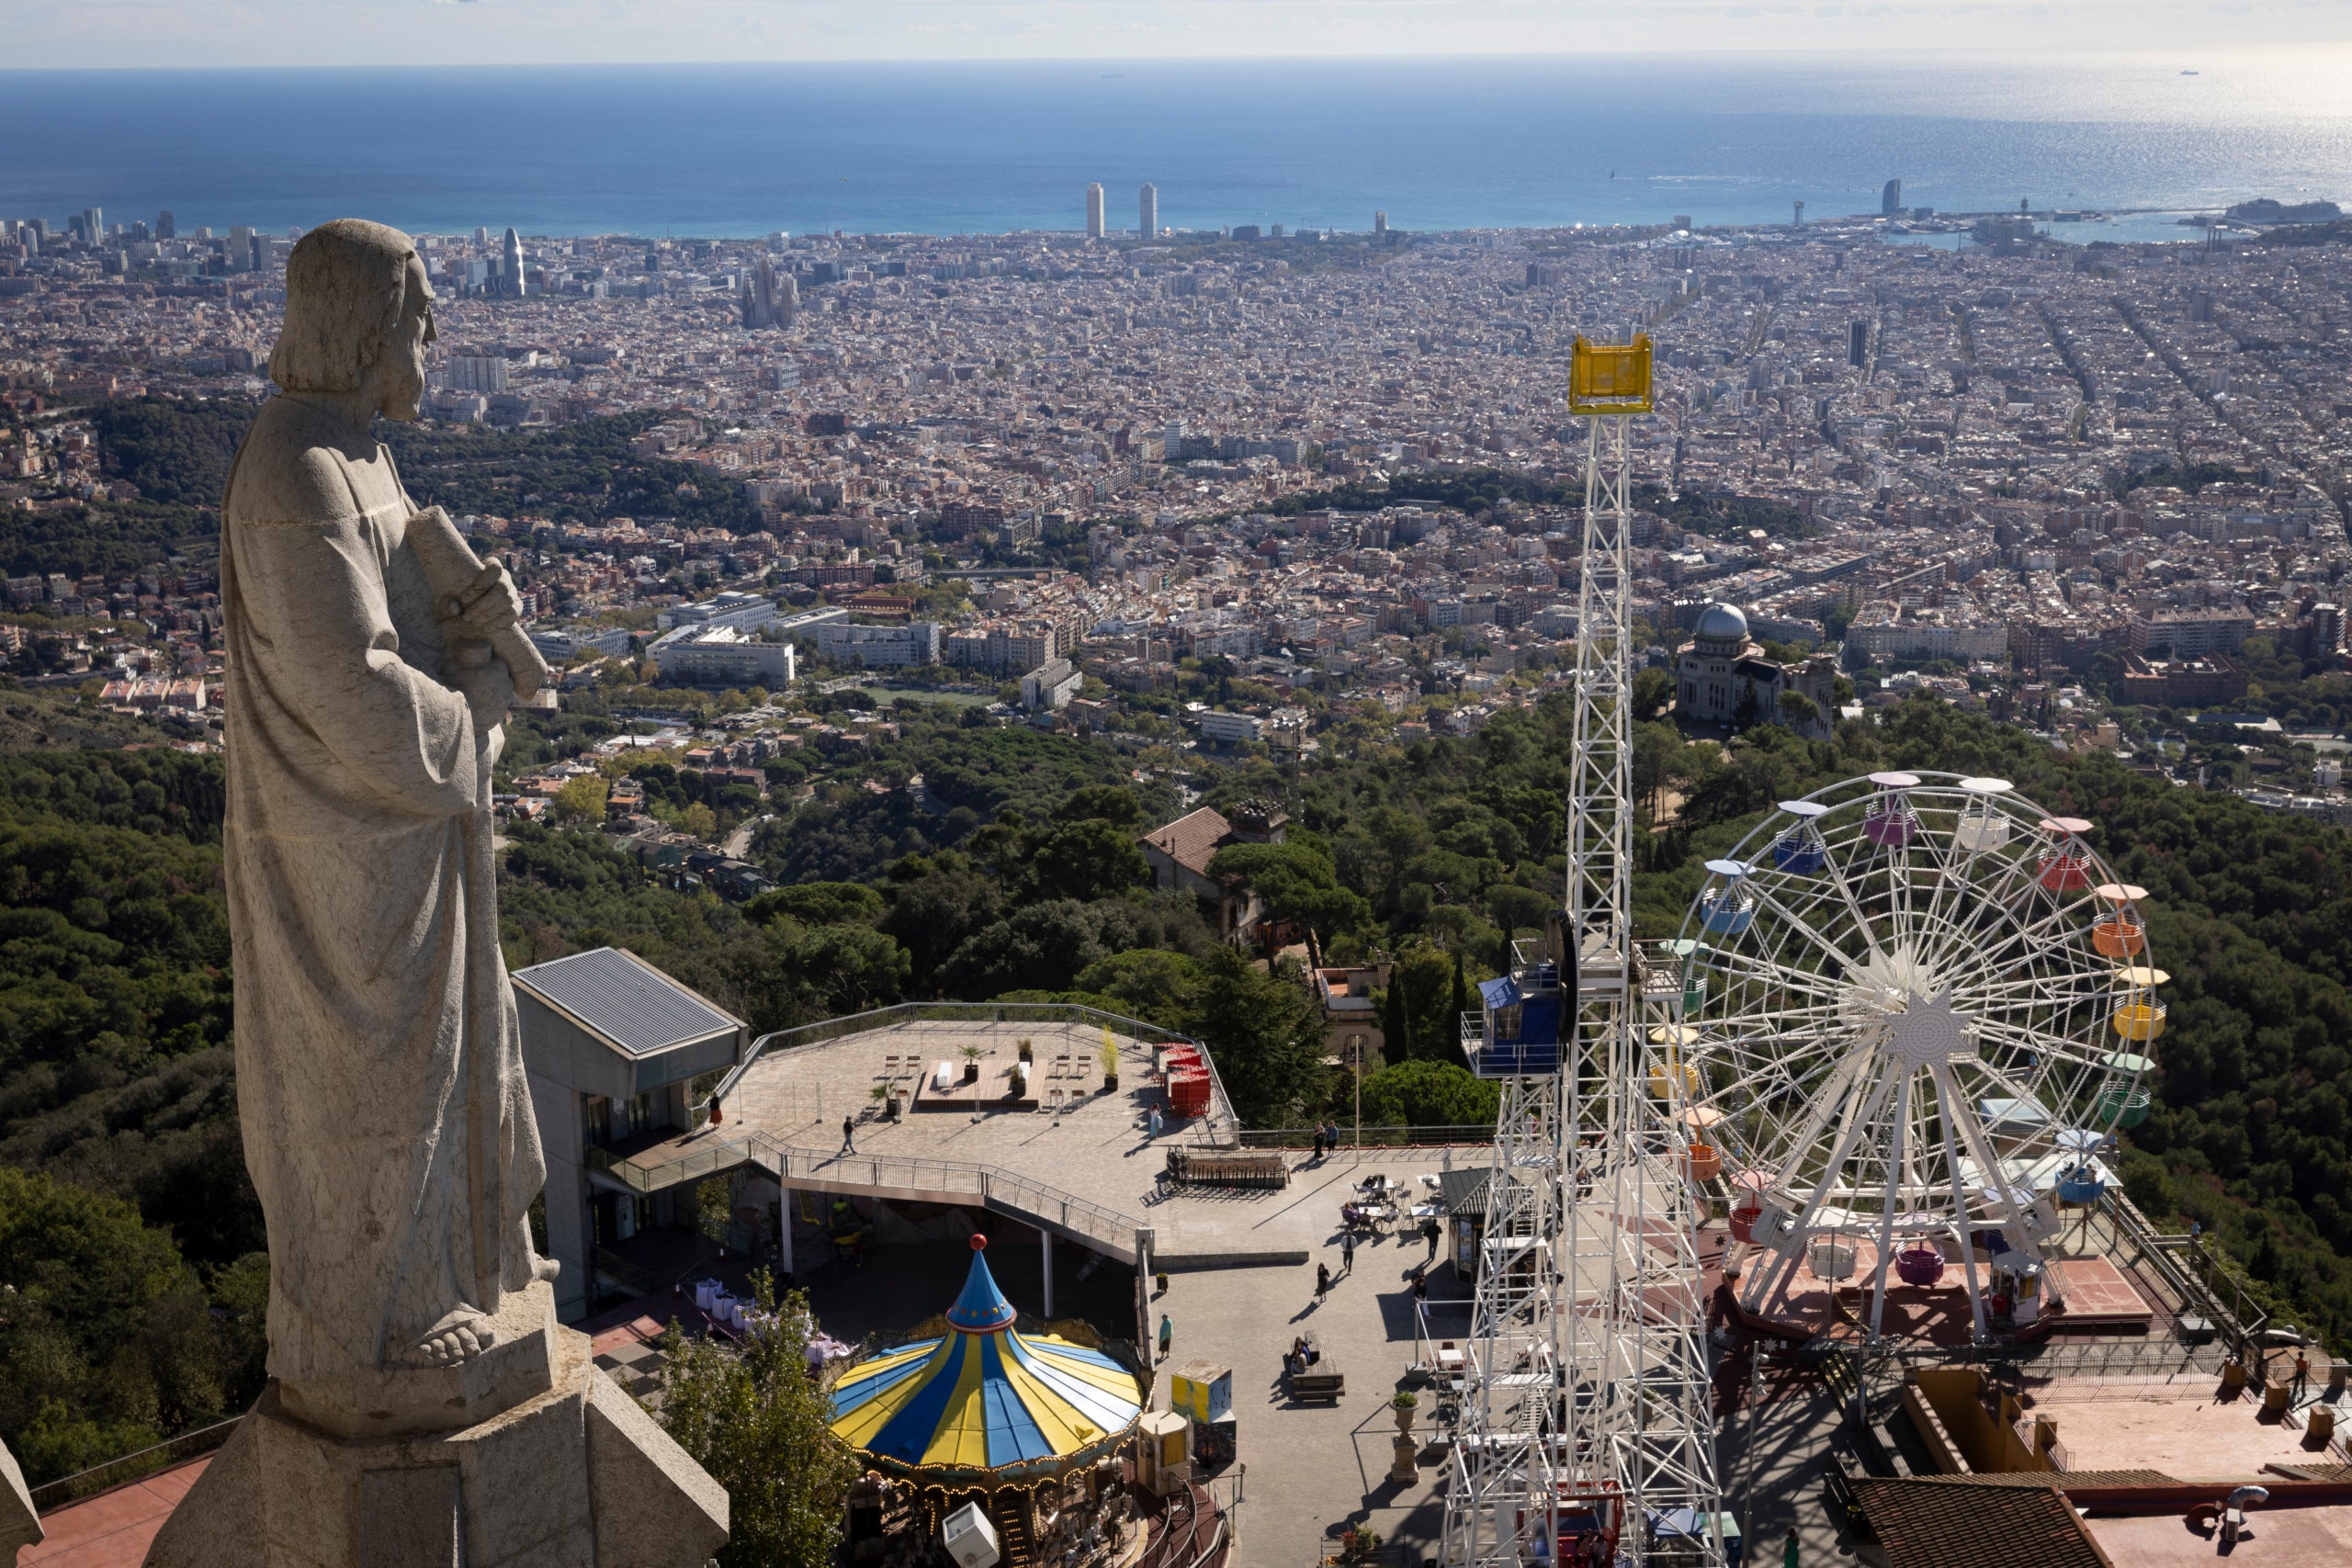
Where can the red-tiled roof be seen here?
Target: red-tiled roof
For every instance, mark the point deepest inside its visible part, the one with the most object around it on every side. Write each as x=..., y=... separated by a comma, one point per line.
x=114, y=1529
x=1190, y=839
x=1922, y=1524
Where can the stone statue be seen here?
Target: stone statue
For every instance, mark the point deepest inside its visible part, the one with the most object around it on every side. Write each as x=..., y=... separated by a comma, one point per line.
x=380, y=1073
x=422, y=1400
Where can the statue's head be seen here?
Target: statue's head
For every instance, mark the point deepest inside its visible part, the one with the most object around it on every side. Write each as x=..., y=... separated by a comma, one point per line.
x=359, y=315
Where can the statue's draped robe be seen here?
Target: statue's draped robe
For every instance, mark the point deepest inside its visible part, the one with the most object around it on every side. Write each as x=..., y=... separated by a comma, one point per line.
x=387, y=1120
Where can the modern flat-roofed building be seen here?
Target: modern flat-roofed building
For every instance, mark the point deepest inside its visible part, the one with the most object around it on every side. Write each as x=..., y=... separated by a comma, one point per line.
x=612, y=1045
x=906, y=646
x=725, y=656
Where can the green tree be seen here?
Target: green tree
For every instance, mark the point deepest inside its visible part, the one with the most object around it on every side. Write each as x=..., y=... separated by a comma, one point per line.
x=106, y=1332
x=1798, y=711
x=819, y=904
x=1428, y=1094
x=582, y=800
x=1090, y=858
x=1396, y=1031
x=1452, y=1040
x=1425, y=975
x=759, y=1426
x=1298, y=883
x=1653, y=691
x=1266, y=1037
x=1157, y=987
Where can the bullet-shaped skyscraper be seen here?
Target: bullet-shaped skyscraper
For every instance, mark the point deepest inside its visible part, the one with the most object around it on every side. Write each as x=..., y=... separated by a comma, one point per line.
x=1890, y=200
x=1094, y=210
x=1148, y=213
x=510, y=263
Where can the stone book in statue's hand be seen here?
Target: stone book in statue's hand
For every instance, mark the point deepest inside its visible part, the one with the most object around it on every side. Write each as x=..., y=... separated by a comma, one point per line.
x=475, y=599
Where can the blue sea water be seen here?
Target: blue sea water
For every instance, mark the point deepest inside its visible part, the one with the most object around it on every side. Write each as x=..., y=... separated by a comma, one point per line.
x=735, y=150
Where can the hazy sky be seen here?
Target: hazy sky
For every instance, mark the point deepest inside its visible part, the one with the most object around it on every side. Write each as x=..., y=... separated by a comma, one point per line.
x=460, y=32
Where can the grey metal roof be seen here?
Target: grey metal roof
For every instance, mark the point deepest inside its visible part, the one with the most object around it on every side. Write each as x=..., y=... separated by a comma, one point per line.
x=626, y=1001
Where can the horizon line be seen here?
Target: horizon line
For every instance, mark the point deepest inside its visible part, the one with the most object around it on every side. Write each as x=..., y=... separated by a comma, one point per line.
x=1401, y=55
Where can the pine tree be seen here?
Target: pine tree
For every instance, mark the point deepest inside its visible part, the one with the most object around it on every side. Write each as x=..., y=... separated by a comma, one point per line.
x=1450, y=1048
x=1396, y=1046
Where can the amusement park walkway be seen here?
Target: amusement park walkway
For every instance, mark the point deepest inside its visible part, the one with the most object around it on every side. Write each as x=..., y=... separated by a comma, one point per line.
x=1313, y=1469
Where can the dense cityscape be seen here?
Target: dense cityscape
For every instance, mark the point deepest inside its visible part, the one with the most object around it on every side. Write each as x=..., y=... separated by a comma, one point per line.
x=2003, y=469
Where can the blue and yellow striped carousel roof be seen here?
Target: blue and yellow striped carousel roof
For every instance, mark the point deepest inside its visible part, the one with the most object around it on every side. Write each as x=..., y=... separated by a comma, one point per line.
x=983, y=1398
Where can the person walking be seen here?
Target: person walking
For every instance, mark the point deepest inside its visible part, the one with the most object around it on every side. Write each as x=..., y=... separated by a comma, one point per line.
x=1420, y=1285
x=1347, y=1252
x=2303, y=1374
x=1167, y=1334
x=1322, y=1280
x=1789, y=1550
x=1431, y=1233
x=1155, y=1122
x=849, y=1135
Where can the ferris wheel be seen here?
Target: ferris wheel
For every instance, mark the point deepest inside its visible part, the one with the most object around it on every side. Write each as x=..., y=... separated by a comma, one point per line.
x=1914, y=1011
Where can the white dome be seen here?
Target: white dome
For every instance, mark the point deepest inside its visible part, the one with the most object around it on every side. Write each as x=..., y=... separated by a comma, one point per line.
x=1721, y=622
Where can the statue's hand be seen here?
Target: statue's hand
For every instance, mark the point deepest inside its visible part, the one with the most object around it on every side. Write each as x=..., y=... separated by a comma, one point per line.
x=483, y=678
x=490, y=605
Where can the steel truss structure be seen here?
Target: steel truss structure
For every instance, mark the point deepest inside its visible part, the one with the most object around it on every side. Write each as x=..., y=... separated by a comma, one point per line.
x=1586, y=1425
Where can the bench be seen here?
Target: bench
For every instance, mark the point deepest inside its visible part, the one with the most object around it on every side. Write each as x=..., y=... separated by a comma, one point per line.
x=1322, y=1380
x=1227, y=1167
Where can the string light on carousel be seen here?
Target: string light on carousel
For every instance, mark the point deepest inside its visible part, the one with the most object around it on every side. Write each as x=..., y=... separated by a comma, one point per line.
x=987, y=1445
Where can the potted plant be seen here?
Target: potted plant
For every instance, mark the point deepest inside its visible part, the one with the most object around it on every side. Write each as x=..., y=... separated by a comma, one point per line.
x=1110, y=1061
x=1028, y=1051
x=881, y=1094
x=971, y=1064
x=1405, y=1402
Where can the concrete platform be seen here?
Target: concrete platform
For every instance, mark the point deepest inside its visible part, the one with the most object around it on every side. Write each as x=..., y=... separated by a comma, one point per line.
x=1097, y=1149
x=2188, y=1431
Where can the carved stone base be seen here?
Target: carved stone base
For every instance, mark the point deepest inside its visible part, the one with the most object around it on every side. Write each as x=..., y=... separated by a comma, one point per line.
x=574, y=1476
x=1406, y=1469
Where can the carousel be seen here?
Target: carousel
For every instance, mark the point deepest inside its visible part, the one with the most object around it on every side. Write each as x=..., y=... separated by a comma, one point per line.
x=1025, y=1428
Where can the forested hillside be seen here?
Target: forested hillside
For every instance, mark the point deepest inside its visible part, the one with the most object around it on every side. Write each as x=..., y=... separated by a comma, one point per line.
x=581, y=472
x=116, y=1096
x=128, y=1233
x=176, y=451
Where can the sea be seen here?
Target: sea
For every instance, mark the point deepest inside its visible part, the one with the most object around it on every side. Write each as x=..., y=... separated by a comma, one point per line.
x=735, y=150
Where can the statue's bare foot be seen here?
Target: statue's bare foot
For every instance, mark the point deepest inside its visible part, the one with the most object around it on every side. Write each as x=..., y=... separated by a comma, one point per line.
x=456, y=1339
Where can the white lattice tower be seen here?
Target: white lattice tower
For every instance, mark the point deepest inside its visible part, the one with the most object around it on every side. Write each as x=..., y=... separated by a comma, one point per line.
x=1624, y=1428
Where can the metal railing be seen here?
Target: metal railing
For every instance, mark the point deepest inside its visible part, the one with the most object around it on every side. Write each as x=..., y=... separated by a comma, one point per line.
x=1382, y=1137
x=938, y=1180
x=131, y=1467
x=2235, y=1322
x=948, y=1180
x=719, y=1154
x=636, y=1282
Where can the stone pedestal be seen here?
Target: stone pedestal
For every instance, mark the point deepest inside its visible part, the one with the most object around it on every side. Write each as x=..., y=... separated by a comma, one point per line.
x=1407, y=1470
x=20, y=1526
x=528, y=1455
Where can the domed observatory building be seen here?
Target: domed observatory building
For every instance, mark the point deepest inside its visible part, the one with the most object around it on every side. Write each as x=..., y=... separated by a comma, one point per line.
x=1722, y=676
